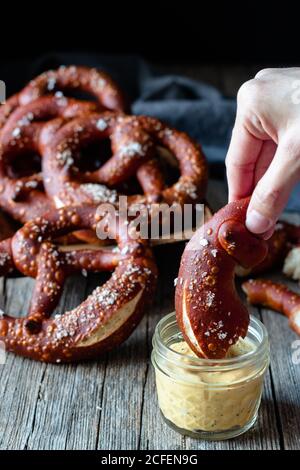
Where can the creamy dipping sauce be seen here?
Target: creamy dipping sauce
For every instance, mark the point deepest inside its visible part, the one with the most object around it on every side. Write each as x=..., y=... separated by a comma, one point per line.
x=211, y=400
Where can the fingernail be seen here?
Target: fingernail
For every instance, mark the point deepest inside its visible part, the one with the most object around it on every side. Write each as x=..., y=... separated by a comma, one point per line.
x=257, y=223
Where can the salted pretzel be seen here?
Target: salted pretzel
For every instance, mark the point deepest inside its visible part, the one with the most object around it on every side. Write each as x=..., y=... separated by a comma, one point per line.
x=75, y=78
x=105, y=318
x=23, y=197
x=72, y=78
x=284, y=237
x=133, y=140
x=209, y=311
x=276, y=296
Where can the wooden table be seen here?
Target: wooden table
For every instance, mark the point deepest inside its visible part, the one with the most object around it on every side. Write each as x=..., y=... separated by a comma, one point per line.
x=111, y=403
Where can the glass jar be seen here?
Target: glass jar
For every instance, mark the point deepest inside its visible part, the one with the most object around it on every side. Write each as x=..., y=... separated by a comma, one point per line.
x=204, y=398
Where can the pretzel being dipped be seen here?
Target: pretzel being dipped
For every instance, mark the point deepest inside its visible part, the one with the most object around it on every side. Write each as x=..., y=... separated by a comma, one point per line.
x=209, y=311
x=276, y=296
x=75, y=78
x=105, y=318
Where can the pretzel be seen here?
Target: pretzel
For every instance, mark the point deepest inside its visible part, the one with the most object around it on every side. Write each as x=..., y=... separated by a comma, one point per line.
x=284, y=236
x=276, y=296
x=23, y=197
x=134, y=140
x=84, y=79
x=105, y=318
x=209, y=311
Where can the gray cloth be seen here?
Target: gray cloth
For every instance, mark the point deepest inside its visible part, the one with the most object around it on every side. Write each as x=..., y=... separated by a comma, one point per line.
x=186, y=104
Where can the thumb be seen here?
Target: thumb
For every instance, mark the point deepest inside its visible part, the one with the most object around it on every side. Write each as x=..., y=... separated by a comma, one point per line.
x=272, y=191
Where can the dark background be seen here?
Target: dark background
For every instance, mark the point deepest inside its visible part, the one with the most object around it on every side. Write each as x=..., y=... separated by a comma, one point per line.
x=161, y=31
x=219, y=43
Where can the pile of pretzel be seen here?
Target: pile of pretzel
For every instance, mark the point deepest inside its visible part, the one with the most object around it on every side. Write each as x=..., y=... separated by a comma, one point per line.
x=54, y=173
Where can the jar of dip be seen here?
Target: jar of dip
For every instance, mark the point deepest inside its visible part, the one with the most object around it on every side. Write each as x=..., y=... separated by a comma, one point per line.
x=209, y=398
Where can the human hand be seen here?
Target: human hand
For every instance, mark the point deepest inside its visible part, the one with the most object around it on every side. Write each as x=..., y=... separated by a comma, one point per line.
x=263, y=158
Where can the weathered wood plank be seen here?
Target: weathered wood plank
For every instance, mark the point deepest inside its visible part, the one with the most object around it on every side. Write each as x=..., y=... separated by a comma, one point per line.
x=112, y=403
x=155, y=434
x=65, y=415
x=285, y=377
x=126, y=399
x=19, y=378
x=123, y=393
x=285, y=373
x=68, y=408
